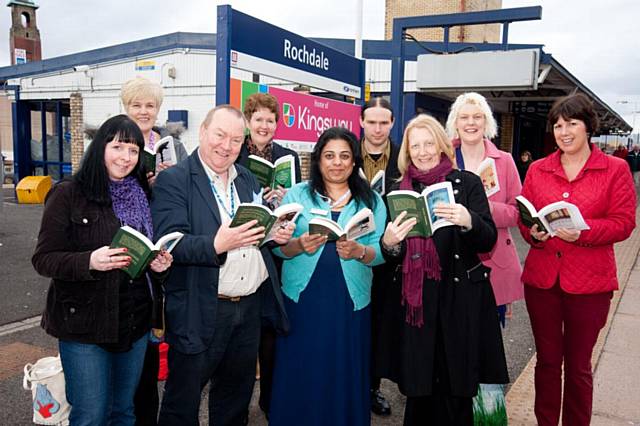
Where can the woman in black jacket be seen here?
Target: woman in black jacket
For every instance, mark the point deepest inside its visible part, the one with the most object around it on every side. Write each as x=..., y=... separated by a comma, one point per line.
x=441, y=336
x=100, y=316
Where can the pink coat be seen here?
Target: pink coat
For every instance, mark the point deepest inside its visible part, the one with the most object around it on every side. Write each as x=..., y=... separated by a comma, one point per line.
x=605, y=194
x=503, y=259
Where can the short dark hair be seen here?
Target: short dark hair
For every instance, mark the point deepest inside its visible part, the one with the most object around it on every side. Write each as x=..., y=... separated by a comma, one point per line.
x=360, y=189
x=260, y=100
x=92, y=176
x=577, y=106
x=376, y=102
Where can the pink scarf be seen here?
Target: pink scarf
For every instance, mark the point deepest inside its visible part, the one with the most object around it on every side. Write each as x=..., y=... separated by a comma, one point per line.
x=421, y=253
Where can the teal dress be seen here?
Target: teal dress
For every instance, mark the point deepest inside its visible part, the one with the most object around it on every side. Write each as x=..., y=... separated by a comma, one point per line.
x=321, y=374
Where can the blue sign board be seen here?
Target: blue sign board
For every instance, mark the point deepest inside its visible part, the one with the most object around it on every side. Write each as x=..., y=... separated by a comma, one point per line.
x=250, y=44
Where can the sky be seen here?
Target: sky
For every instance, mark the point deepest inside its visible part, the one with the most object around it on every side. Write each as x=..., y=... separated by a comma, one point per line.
x=597, y=41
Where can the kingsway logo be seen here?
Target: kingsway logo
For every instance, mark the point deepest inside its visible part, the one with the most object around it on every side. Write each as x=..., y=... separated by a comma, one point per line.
x=308, y=121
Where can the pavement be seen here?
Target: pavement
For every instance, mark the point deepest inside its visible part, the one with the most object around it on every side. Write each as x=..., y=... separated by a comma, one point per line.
x=616, y=358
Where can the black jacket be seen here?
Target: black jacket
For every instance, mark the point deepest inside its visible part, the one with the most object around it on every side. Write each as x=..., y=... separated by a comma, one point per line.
x=278, y=151
x=84, y=305
x=183, y=201
x=461, y=304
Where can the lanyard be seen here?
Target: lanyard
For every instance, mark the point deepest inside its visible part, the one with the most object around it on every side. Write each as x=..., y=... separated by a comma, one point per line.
x=221, y=201
x=152, y=140
x=336, y=202
x=459, y=158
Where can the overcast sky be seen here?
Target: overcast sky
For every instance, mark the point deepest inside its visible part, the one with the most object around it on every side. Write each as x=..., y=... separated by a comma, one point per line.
x=597, y=41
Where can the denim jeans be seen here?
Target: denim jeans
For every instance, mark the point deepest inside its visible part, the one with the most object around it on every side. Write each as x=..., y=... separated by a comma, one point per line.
x=99, y=384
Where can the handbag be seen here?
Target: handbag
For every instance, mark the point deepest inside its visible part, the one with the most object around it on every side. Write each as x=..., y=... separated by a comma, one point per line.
x=489, y=407
x=45, y=378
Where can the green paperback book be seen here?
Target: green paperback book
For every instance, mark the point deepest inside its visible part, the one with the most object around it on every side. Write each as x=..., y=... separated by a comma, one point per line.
x=420, y=206
x=141, y=249
x=281, y=172
x=164, y=151
x=271, y=220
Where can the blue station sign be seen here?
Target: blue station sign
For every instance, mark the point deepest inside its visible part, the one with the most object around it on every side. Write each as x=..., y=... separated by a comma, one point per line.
x=263, y=48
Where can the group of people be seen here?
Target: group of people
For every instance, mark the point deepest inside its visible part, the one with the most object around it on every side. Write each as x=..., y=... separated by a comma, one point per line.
x=327, y=319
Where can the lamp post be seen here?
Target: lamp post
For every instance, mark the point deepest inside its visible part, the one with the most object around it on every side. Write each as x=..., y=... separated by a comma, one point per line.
x=633, y=116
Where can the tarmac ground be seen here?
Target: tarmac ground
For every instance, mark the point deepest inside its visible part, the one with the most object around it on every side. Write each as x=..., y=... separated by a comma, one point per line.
x=617, y=356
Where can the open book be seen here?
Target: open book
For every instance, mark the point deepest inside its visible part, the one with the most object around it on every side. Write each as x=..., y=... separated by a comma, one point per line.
x=271, y=220
x=164, y=151
x=489, y=176
x=360, y=224
x=552, y=216
x=281, y=172
x=377, y=181
x=420, y=206
x=141, y=249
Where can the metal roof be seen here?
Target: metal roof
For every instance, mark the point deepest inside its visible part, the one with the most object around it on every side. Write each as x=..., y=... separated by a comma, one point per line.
x=558, y=82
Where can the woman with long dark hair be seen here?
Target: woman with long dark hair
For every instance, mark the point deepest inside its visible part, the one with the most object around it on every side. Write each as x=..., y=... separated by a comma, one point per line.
x=100, y=316
x=321, y=374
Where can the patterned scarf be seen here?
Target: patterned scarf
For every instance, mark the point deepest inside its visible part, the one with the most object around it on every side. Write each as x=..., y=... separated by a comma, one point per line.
x=266, y=153
x=131, y=206
x=421, y=253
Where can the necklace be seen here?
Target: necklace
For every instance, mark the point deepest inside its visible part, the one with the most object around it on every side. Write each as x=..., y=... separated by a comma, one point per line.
x=231, y=213
x=152, y=140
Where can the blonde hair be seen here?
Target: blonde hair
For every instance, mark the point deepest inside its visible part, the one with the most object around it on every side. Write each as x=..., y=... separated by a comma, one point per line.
x=424, y=121
x=472, y=98
x=140, y=87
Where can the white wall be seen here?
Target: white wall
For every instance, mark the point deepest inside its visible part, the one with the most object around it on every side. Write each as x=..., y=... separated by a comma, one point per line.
x=193, y=89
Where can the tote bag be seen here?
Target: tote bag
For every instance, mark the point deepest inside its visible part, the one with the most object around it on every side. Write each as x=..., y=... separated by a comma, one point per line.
x=46, y=381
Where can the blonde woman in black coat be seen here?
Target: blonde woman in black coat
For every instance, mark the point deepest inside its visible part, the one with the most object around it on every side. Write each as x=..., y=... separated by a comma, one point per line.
x=441, y=336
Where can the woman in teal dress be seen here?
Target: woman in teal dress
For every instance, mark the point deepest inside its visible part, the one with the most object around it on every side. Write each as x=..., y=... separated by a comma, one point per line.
x=321, y=372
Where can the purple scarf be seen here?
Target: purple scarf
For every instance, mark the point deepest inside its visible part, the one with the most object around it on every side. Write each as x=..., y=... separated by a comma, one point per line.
x=131, y=206
x=421, y=253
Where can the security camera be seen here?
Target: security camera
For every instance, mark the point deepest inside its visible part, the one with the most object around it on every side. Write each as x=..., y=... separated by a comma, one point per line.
x=81, y=68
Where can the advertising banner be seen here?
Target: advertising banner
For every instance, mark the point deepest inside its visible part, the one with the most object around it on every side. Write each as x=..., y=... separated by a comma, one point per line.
x=303, y=117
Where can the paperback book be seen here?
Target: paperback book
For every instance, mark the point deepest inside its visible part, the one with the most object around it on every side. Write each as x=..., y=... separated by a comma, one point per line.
x=377, y=181
x=361, y=224
x=551, y=217
x=281, y=172
x=489, y=176
x=271, y=220
x=421, y=206
x=164, y=151
x=141, y=249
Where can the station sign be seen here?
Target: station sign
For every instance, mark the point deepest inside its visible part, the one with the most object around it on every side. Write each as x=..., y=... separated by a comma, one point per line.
x=302, y=117
x=265, y=49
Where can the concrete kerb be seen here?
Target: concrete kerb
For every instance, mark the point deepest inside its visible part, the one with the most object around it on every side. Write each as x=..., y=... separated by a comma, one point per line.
x=521, y=395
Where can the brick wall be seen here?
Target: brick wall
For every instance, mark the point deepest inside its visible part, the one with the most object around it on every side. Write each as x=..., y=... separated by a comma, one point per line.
x=77, y=130
x=305, y=161
x=475, y=33
x=506, y=132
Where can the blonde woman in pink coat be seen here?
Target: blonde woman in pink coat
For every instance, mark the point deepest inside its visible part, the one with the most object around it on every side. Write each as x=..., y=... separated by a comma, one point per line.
x=471, y=125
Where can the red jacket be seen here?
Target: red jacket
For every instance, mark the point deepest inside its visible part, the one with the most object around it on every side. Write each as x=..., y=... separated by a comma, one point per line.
x=605, y=194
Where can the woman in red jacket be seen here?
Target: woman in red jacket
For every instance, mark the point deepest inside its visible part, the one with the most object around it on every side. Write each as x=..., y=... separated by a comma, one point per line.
x=570, y=278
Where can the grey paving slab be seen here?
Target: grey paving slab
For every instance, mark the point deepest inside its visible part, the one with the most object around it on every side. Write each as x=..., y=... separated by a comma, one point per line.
x=617, y=386
x=630, y=303
x=623, y=337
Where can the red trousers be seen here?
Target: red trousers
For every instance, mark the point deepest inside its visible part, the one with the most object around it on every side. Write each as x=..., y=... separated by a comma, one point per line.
x=565, y=328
